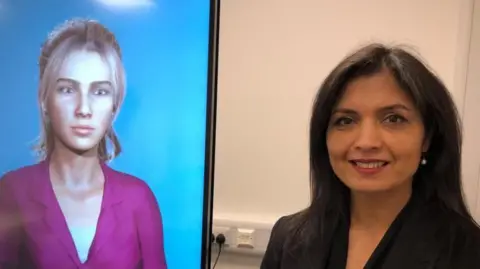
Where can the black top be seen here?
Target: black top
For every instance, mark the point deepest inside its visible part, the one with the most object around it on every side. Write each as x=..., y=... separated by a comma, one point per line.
x=425, y=235
x=338, y=253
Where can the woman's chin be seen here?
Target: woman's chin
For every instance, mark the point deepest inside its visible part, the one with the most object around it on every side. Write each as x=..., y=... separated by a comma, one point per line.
x=371, y=187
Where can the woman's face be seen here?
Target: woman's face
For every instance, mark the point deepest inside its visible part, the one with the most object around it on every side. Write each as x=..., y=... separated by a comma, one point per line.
x=80, y=105
x=376, y=136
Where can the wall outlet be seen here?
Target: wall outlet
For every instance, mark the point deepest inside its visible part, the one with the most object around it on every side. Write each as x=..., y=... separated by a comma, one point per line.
x=226, y=231
x=245, y=238
x=256, y=234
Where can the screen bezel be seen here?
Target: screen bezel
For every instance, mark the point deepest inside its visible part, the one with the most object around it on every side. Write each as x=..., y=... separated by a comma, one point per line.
x=213, y=42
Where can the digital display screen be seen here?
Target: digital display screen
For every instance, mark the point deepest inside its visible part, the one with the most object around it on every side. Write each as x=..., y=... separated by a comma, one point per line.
x=105, y=133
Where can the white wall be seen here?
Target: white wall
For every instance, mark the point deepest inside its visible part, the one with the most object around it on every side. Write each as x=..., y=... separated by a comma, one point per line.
x=471, y=110
x=274, y=55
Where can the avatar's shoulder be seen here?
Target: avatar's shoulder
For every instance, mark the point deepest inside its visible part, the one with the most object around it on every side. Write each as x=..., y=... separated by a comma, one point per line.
x=21, y=174
x=127, y=182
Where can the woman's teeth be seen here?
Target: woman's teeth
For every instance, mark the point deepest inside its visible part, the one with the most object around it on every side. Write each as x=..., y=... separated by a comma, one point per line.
x=370, y=164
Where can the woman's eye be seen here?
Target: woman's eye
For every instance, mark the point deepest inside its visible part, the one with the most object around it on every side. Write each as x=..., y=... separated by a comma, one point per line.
x=343, y=121
x=395, y=119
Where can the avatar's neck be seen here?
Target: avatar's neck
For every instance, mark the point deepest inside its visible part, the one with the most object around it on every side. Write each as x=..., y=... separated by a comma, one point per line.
x=74, y=170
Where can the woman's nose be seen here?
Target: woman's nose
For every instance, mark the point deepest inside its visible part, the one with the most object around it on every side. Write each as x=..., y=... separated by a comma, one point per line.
x=368, y=137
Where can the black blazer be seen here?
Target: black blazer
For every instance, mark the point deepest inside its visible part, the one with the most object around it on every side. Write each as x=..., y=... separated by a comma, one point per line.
x=430, y=238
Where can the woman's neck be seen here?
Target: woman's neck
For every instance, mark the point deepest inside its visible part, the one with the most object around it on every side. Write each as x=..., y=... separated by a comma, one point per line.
x=73, y=170
x=377, y=211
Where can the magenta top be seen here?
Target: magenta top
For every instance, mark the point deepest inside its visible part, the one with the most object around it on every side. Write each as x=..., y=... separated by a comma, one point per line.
x=34, y=233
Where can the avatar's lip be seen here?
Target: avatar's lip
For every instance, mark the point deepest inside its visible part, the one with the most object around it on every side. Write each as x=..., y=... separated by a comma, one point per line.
x=83, y=127
x=83, y=131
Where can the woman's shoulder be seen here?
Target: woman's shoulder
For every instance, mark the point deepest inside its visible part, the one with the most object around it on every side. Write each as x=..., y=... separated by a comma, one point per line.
x=283, y=233
x=458, y=237
x=463, y=248
x=467, y=240
x=286, y=225
x=459, y=225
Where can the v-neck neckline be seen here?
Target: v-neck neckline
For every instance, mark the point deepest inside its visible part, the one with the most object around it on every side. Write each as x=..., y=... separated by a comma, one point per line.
x=338, y=253
x=63, y=227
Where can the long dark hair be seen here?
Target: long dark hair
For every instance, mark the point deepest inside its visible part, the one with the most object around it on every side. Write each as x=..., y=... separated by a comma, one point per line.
x=439, y=181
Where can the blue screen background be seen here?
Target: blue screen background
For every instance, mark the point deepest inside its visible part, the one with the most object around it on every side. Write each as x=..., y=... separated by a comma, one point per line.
x=161, y=125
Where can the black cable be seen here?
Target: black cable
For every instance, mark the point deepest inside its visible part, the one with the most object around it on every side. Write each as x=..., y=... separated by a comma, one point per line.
x=220, y=240
x=218, y=256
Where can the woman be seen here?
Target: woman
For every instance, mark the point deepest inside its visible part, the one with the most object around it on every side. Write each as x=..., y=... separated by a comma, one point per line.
x=385, y=148
x=71, y=210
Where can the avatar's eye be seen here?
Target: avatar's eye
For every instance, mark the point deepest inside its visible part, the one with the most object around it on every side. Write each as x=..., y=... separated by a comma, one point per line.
x=102, y=92
x=66, y=90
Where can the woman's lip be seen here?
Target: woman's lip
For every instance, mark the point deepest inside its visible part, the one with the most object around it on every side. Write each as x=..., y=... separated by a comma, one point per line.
x=367, y=160
x=369, y=170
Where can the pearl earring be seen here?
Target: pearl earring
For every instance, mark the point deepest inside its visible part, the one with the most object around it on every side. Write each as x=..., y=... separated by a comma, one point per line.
x=424, y=161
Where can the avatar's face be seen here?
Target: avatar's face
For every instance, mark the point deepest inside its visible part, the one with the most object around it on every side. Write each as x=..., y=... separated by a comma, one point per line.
x=81, y=104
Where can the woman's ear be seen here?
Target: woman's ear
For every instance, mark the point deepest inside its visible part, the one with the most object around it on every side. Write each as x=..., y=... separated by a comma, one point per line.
x=426, y=145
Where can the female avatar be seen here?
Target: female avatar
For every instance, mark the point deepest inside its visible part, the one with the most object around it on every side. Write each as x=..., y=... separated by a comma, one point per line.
x=71, y=210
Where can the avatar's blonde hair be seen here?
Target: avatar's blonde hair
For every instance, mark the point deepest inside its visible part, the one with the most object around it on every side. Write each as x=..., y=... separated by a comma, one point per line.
x=75, y=35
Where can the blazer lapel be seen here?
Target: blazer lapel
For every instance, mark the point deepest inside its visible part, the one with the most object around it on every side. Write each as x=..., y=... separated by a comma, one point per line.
x=42, y=193
x=316, y=254
x=108, y=219
x=413, y=246
x=331, y=229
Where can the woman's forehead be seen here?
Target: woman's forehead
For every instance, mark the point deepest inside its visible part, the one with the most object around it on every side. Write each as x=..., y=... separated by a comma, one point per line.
x=379, y=90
